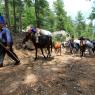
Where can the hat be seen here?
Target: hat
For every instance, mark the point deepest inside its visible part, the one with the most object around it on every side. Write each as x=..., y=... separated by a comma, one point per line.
x=81, y=38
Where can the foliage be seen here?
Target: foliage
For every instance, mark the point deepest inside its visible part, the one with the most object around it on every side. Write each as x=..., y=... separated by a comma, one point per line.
x=92, y=15
x=80, y=26
x=58, y=38
x=41, y=12
x=28, y=17
x=38, y=14
x=60, y=15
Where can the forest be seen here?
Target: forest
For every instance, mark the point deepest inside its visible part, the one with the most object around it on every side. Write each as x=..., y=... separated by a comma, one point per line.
x=21, y=13
x=36, y=65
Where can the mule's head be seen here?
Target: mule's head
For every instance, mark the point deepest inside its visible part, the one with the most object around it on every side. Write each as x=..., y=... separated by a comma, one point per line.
x=27, y=37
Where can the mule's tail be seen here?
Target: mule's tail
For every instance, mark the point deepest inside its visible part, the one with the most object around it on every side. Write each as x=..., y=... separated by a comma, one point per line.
x=51, y=44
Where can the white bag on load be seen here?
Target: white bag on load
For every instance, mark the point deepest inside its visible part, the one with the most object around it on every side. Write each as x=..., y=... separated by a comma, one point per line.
x=28, y=28
x=89, y=44
x=45, y=32
x=77, y=41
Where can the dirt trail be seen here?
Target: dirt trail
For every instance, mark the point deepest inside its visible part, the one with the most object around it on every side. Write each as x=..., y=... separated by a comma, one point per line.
x=59, y=75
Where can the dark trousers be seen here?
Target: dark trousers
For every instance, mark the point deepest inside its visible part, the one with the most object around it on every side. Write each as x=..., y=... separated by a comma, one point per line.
x=12, y=55
x=82, y=50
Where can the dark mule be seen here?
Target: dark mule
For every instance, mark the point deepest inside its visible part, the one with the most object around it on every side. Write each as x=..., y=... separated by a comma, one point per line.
x=69, y=45
x=44, y=41
x=93, y=49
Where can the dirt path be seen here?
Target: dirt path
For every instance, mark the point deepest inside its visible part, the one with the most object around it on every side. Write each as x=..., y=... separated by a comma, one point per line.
x=59, y=75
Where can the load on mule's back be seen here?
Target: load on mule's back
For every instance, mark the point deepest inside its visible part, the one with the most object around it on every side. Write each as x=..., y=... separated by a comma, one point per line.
x=39, y=41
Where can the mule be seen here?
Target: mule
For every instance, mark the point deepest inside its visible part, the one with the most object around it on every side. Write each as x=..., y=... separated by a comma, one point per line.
x=93, y=49
x=57, y=47
x=44, y=41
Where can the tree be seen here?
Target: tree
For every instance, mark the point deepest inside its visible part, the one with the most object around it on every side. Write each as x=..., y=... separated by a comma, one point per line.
x=1, y=7
x=80, y=26
x=28, y=17
x=50, y=21
x=92, y=15
x=88, y=31
x=60, y=15
x=7, y=13
x=28, y=3
x=41, y=12
x=69, y=25
x=14, y=12
x=20, y=8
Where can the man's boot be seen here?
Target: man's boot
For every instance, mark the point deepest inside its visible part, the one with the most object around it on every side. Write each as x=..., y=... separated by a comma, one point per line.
x=1, y=65
x=17, y=62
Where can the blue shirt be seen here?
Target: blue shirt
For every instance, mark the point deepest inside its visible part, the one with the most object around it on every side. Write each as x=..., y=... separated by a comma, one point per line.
x=6, y=37
x=2, y=21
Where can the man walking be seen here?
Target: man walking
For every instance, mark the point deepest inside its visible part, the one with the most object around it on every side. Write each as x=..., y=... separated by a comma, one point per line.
x=6, y=44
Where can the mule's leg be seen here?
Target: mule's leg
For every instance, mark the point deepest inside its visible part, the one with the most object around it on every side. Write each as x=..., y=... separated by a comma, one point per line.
x=60, y=50
x=56, y=51
x=36, y=53
x=49, y=54
x=93, y=50
x=42, y=52
x=80, y=51
x=83, y=52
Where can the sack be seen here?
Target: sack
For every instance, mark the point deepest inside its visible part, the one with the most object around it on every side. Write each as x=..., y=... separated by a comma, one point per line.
x=45, y=32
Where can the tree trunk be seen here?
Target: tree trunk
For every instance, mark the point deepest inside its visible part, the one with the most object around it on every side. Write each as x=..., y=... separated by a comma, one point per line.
x=7, y=14
x=37, y=14
x=20, y=22
x=20, y=14
x=14, y=11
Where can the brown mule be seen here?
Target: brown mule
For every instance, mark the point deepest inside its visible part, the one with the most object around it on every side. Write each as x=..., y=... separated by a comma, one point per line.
x=57, y=47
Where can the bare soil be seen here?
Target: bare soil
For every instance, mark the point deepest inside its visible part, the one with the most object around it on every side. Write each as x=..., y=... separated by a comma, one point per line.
x=58, y=75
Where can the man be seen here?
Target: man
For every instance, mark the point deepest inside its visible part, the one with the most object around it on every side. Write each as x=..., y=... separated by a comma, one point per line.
x=6, y=44
x=71, y=42
x=82, y=45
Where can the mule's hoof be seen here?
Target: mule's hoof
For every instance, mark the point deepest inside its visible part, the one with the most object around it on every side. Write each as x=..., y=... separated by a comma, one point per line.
x=17, y=63
x=1, y=65
x=35, y=58
x=45, y=57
